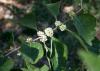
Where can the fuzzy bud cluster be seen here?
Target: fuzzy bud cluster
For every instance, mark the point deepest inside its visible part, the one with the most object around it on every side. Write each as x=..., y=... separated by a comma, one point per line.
x=48, y=32
x=29, y=39
x=42, y=36
x=60, y=25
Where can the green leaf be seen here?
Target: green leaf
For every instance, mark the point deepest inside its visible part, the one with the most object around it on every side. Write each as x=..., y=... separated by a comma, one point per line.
x=24, y=69
x=85, y=25
x=43, y=15
x=7, y=66
x=91, y=60
x=32, y=52
x=44, y=68
x=29, y=20
x=60, y=54
x=54, y=8
x=55, y=59
x=46, y=1
x=30, y=67
x=79, y=1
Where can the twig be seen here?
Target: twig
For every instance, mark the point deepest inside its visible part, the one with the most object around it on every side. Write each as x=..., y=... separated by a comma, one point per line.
x=79, y=10
x=81, y=2
x=13, y=50
x=36, y=39
x=51, y=47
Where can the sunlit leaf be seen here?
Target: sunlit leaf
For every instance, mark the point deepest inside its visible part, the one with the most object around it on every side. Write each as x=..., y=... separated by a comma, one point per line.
x=30, y=67
x=32, y=52
x=60, y=55
x=91, y=60
x=44, y=68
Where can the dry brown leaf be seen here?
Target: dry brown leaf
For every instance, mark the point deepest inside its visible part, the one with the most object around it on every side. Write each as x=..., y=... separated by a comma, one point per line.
x=12, y=2
x=7, y=1
x=2, y=12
